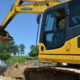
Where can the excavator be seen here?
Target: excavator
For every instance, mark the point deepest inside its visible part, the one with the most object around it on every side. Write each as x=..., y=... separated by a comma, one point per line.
x=59, y=36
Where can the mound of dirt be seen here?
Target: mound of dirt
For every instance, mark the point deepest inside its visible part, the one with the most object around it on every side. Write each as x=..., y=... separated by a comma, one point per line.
x=6, y=78
x=18, y=69
x=40, y=70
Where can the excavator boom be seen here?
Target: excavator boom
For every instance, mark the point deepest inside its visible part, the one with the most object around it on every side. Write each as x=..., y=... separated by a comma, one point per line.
x=37, y=7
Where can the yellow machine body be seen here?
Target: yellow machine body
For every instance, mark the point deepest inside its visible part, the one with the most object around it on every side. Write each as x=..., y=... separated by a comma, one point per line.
x=69, y=52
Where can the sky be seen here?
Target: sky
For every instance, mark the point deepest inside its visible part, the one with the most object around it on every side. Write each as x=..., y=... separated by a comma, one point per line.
x=22, y=28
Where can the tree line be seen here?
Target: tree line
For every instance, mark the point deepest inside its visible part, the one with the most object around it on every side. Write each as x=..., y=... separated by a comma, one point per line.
x=10, y=48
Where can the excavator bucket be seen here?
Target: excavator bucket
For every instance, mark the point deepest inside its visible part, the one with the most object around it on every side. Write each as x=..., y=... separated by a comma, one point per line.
x=4, y=35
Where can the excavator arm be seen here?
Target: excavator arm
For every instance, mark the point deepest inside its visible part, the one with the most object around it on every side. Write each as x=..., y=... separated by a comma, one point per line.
x=37, y=7
x=4, y=35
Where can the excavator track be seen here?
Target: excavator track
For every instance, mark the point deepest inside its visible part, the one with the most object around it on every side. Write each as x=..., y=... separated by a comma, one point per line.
x=41, y=70
x=52, y=73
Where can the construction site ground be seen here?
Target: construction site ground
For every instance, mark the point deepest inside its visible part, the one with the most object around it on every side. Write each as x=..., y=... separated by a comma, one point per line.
x=39, y=70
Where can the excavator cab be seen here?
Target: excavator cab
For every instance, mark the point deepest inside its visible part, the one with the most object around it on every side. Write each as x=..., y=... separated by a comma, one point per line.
x=60, y=33
x=53, y=28
x=54, y=31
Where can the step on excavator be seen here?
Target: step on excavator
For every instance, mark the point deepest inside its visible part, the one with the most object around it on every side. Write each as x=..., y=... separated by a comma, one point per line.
x=59, y=37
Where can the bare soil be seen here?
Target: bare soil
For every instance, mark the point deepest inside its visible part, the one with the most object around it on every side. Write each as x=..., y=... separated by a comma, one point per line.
x=40, y=70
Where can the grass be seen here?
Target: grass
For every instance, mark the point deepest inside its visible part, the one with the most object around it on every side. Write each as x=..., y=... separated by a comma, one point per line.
x=19, y=59
x=16, y=59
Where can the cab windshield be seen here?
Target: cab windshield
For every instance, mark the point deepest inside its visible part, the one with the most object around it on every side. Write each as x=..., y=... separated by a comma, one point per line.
x=54, y=32
x=50, y=21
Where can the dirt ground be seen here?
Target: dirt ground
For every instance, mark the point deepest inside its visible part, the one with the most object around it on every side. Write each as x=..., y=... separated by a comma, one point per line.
x=6, y=78
x=37, y=70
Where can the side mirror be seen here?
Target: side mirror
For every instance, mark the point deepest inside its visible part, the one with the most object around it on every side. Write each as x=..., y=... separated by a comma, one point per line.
x=38, y=19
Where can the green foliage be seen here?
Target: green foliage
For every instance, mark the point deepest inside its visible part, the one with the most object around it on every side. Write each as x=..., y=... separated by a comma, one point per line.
x=16, y=59
x=4, y=46
x=15, y=49
x=34, y=51
x=11, y=48
x=4, y=55
x=8, y=46
x=21, y=48
x=19, y=59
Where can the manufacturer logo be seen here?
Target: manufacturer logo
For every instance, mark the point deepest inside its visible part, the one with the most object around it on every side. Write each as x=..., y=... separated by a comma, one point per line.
x=26, y=8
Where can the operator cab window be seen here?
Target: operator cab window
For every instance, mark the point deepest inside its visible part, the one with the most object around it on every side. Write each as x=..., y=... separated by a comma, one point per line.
x=55, y=20
x=74, y=18
x=54, y=32
x=50, y=21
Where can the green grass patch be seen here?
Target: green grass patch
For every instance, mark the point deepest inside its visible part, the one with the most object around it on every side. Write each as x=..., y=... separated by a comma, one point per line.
x=19, y=59
x=16, y=59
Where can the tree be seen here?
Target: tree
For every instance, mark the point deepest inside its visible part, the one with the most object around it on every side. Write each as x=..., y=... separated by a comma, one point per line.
x=4, y=55
x=9, y=47
x=5, y=50
x=33, y=51
x=21, y=48
x=15, y=50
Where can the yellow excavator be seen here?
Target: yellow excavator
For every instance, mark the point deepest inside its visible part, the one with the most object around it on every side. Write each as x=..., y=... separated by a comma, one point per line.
x=60, y=30
x=60, y=40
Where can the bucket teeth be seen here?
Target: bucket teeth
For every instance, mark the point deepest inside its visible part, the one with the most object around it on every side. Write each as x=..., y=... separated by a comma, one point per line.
x=4, y=35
